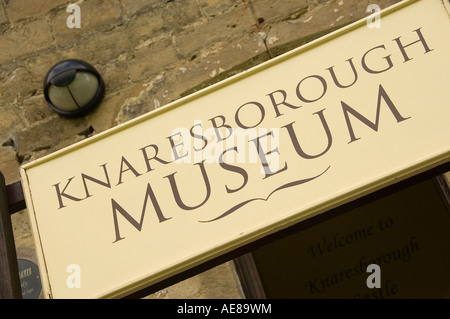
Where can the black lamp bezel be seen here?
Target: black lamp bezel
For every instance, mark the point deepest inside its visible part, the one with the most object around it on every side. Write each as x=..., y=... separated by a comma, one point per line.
x=77, y=65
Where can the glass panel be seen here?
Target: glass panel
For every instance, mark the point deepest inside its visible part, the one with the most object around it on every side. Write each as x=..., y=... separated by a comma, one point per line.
x=84, y=87
x=61, y=98
x=406, y=233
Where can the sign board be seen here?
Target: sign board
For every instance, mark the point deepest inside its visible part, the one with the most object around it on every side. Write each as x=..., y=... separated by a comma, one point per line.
x=317, y=127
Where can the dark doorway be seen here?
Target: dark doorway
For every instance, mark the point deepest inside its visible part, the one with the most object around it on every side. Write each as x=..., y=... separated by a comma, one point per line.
x=406, y=233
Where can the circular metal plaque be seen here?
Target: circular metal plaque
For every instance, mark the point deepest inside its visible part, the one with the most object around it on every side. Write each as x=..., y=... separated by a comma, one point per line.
x=30, y=279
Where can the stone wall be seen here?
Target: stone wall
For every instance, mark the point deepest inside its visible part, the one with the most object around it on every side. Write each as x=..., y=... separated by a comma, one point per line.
x=149, y=52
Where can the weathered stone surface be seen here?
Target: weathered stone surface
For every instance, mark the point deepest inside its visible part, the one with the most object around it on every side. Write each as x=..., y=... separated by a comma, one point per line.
x=226, y=285
x=133, y=7
x=25, y=40
x=141, y=28
x=114, y=74
x=216, y=63
x=211, y=9
x=148, y=19
x=38, y=66
x=152, y=58
x=9, y=166
x=316, y=22
x=35, y=109
x=117, y=106
x=16, y=85
x=279, y=10
x=10, y=121
x=178, y=14
x=24, y=9
x=23, y=236
x=51, y=136
x=231, y=24
x=100, y=47
x=95, y=16
x=4, y=22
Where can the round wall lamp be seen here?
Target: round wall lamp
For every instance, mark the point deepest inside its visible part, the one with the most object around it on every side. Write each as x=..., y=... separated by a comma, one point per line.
x=73, y=87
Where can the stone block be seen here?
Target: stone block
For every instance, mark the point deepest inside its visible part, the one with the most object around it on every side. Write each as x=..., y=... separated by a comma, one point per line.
x=9, y=165
x=19, y=10
x=150, y=59
x=142, y=28
x=105, y=115
x=230, y=25
x=114, y=74
x=22, y=231
x=4, y=22
x=146, y=19
x=226, y=284
x=49, y=136
x=35, y=109
x=25, y=40
x=219, y=282
x=100, y=15
x=212, y=8
x=10, y=121
x=178, y=14
x=100, y=47
x=16, y=85
x=317, y=21
x=133, y=7
x=210, y=65
x=215, y=63
x=278, y=10
x=137, y=99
